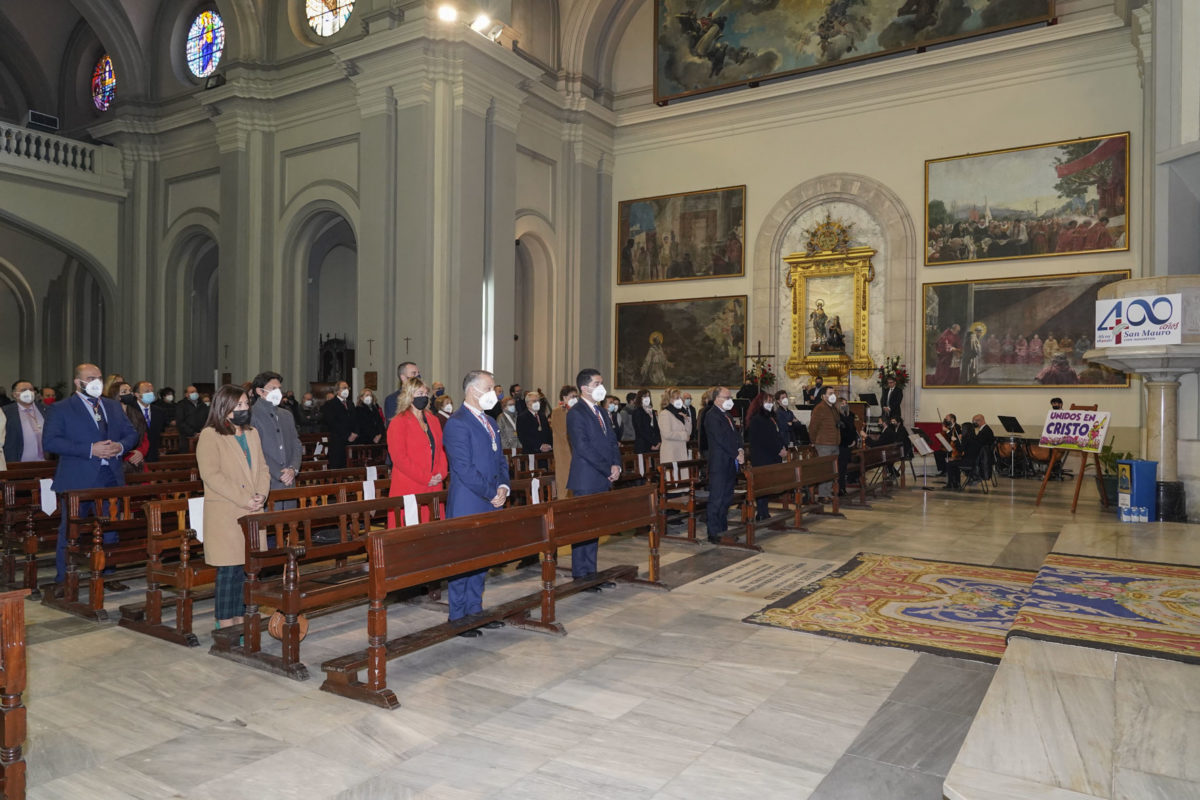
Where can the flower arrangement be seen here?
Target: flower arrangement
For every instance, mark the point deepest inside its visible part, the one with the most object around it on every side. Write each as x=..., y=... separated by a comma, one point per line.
x=891, y=367
x=760, y=374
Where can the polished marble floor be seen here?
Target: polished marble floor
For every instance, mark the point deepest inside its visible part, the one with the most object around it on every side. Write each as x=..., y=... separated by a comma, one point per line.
x=652, y=694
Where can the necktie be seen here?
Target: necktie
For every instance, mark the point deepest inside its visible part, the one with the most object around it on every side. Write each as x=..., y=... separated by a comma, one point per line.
x=98, y=415
x=599, y=418
x=146, y=414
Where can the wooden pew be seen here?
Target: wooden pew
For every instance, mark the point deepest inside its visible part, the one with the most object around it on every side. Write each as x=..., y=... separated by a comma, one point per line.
x=317, y=577
x=637, y=468
x=27, y=531
x=871, y=463
x=366, y=455
x=768, y=480
x=329, y=476
x=12, y=685
x=163, y=476
x=404, y=558
x=117, y=509
x=813, y=472
x=678, y=483
x=532, y=465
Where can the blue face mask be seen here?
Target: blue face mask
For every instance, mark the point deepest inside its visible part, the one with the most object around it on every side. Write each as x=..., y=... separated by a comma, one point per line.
x=439, y=393
x=147, y=398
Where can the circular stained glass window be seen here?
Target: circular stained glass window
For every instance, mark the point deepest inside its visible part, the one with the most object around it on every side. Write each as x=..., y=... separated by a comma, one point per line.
x=326, y=17
x=104, y=83
x=205, y=43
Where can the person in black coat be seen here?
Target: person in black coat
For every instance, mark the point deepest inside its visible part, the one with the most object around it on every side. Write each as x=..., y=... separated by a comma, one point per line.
x=768, y=444
x=339, y=422
x=367, y=425
x=532, y=428
x=646, y=436
x=890, y=398
x=612, y=405
x=691, y=412
x=815, y=392
x=849, y=441
x=725, y=457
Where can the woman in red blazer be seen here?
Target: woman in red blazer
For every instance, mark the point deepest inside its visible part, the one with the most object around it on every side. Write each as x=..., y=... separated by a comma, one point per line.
x=414, y=440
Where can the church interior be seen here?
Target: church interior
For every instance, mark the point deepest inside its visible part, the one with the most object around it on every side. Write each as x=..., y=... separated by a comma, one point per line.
x=913, y=201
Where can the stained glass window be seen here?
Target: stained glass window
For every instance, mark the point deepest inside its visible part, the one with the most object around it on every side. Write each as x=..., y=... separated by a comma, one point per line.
x=326, y=17
x=104, y=83
x=205, y=43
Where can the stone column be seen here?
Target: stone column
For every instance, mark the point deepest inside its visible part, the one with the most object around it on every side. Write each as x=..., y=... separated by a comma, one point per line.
x=1162, y=399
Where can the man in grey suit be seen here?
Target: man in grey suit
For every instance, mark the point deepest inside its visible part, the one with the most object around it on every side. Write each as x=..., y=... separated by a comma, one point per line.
x=277, y=431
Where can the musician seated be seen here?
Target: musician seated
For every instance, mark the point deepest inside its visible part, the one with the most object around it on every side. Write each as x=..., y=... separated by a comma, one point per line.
x=976, y=438
x=952, y=433
x=892, y=433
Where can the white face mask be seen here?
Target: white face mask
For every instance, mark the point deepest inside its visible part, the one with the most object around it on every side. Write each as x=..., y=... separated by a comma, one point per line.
x=446, y=409
x=26, y=396
x=194, y=396
x=688, y=402
x=768, y=406
x=645, y=402
x=488, y=400
x=831, y=398
x=510, y=409
x=308, y=403
x=611, y=408
x=599, y=393
x=727, y=404
x=94, y=387
x=783, y=401
x=344, y=393
x=677, y=403
x=274, y=397
x=368, y=399
x=571, y=401
x=535, y=406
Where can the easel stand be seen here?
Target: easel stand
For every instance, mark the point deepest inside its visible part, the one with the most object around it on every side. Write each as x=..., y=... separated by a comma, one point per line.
x=1055, y=456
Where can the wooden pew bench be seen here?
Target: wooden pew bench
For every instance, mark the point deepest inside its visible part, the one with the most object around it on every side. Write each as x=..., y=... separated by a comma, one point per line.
x=27, y=532
x=680, y=489
x=120, y=510
x=871, y=465
x=304, y=573
x=815, y=471
x=405, y=558
x=12, y=685
x=768, y=480
x=175, y=561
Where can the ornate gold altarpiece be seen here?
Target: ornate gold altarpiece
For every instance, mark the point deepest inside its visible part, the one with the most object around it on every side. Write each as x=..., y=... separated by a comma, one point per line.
x=829, y=254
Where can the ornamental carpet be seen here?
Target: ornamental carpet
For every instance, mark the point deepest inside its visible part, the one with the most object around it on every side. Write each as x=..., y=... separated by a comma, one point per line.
x=1113, y=604
x=940, y=607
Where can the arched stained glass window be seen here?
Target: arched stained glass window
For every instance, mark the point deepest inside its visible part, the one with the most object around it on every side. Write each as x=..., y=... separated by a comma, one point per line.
x=205, y=43
x=326, y=17
x=104, y=83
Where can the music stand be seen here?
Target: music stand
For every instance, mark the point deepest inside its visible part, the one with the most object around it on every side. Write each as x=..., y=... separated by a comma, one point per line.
x=922, y=448
x=869, y=398
x=1011, y=426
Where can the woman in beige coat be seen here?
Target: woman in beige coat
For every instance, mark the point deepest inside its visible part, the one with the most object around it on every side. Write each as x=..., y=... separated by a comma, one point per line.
x=675, y=426
x=236, y=481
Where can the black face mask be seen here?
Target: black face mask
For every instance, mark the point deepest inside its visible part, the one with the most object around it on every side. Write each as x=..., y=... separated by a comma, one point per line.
x=420, y=403
x=129, y=399
x=946, y=423
x=241, y=418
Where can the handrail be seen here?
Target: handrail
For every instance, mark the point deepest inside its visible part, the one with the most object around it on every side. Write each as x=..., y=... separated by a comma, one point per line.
x=46, y=148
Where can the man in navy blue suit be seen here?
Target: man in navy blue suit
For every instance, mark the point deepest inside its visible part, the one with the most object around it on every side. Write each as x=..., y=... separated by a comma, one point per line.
x=725, y=457
x=478, y=480
x=595, y=459
x=89, y=433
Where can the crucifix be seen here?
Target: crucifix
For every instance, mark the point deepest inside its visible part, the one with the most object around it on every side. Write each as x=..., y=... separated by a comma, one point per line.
x=758, y=359
x=407, y=339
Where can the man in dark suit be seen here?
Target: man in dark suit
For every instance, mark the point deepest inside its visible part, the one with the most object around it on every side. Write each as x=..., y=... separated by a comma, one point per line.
x=404, y=372
x=24, y=421
x=89, y=433
x=725, y=458
x=190, y=417
x=340, y=422
x=890, y=399
x=595, y=459
x=153, y=413
x=478, y=480
x=532, y=428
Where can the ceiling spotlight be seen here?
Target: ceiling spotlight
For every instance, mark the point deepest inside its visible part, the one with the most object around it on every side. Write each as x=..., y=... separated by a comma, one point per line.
x=482, y=23
x=494, y=33
x=447, y=13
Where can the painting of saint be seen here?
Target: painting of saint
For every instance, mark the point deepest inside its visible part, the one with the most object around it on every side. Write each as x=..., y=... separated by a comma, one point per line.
x=695, y=343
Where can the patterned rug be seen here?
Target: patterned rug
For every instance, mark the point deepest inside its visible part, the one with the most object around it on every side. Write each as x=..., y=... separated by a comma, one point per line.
x=941, y=607
x=1130, y=606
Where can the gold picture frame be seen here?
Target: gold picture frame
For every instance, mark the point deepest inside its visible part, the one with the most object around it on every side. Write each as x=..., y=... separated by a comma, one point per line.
x=703, y=232
x=1037, y=201
x=1002, y=322
x=829, y=267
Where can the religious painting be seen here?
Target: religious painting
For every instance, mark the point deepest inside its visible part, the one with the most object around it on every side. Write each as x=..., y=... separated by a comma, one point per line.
x=681, y=236
x=706, y=45
x=693, y=343
x=1055, y=199
x=1015, y=332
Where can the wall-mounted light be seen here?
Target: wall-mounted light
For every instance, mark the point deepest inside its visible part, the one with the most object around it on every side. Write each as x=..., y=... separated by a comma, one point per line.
x=482, y=23
x=447, y=13
x=214, y=80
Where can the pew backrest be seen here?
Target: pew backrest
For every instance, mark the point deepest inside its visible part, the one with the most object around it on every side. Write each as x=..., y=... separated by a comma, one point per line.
x=578, y=519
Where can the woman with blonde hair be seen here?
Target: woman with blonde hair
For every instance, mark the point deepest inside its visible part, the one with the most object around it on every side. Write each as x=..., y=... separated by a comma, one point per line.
x=675, y=427
x=414, y=440
x=236, y=482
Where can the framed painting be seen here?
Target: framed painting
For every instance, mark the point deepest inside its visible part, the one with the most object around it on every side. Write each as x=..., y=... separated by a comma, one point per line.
x=1056, y=199
x=693, y=343
x=681, y=236
x=1015, y=332
x=706, y=45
